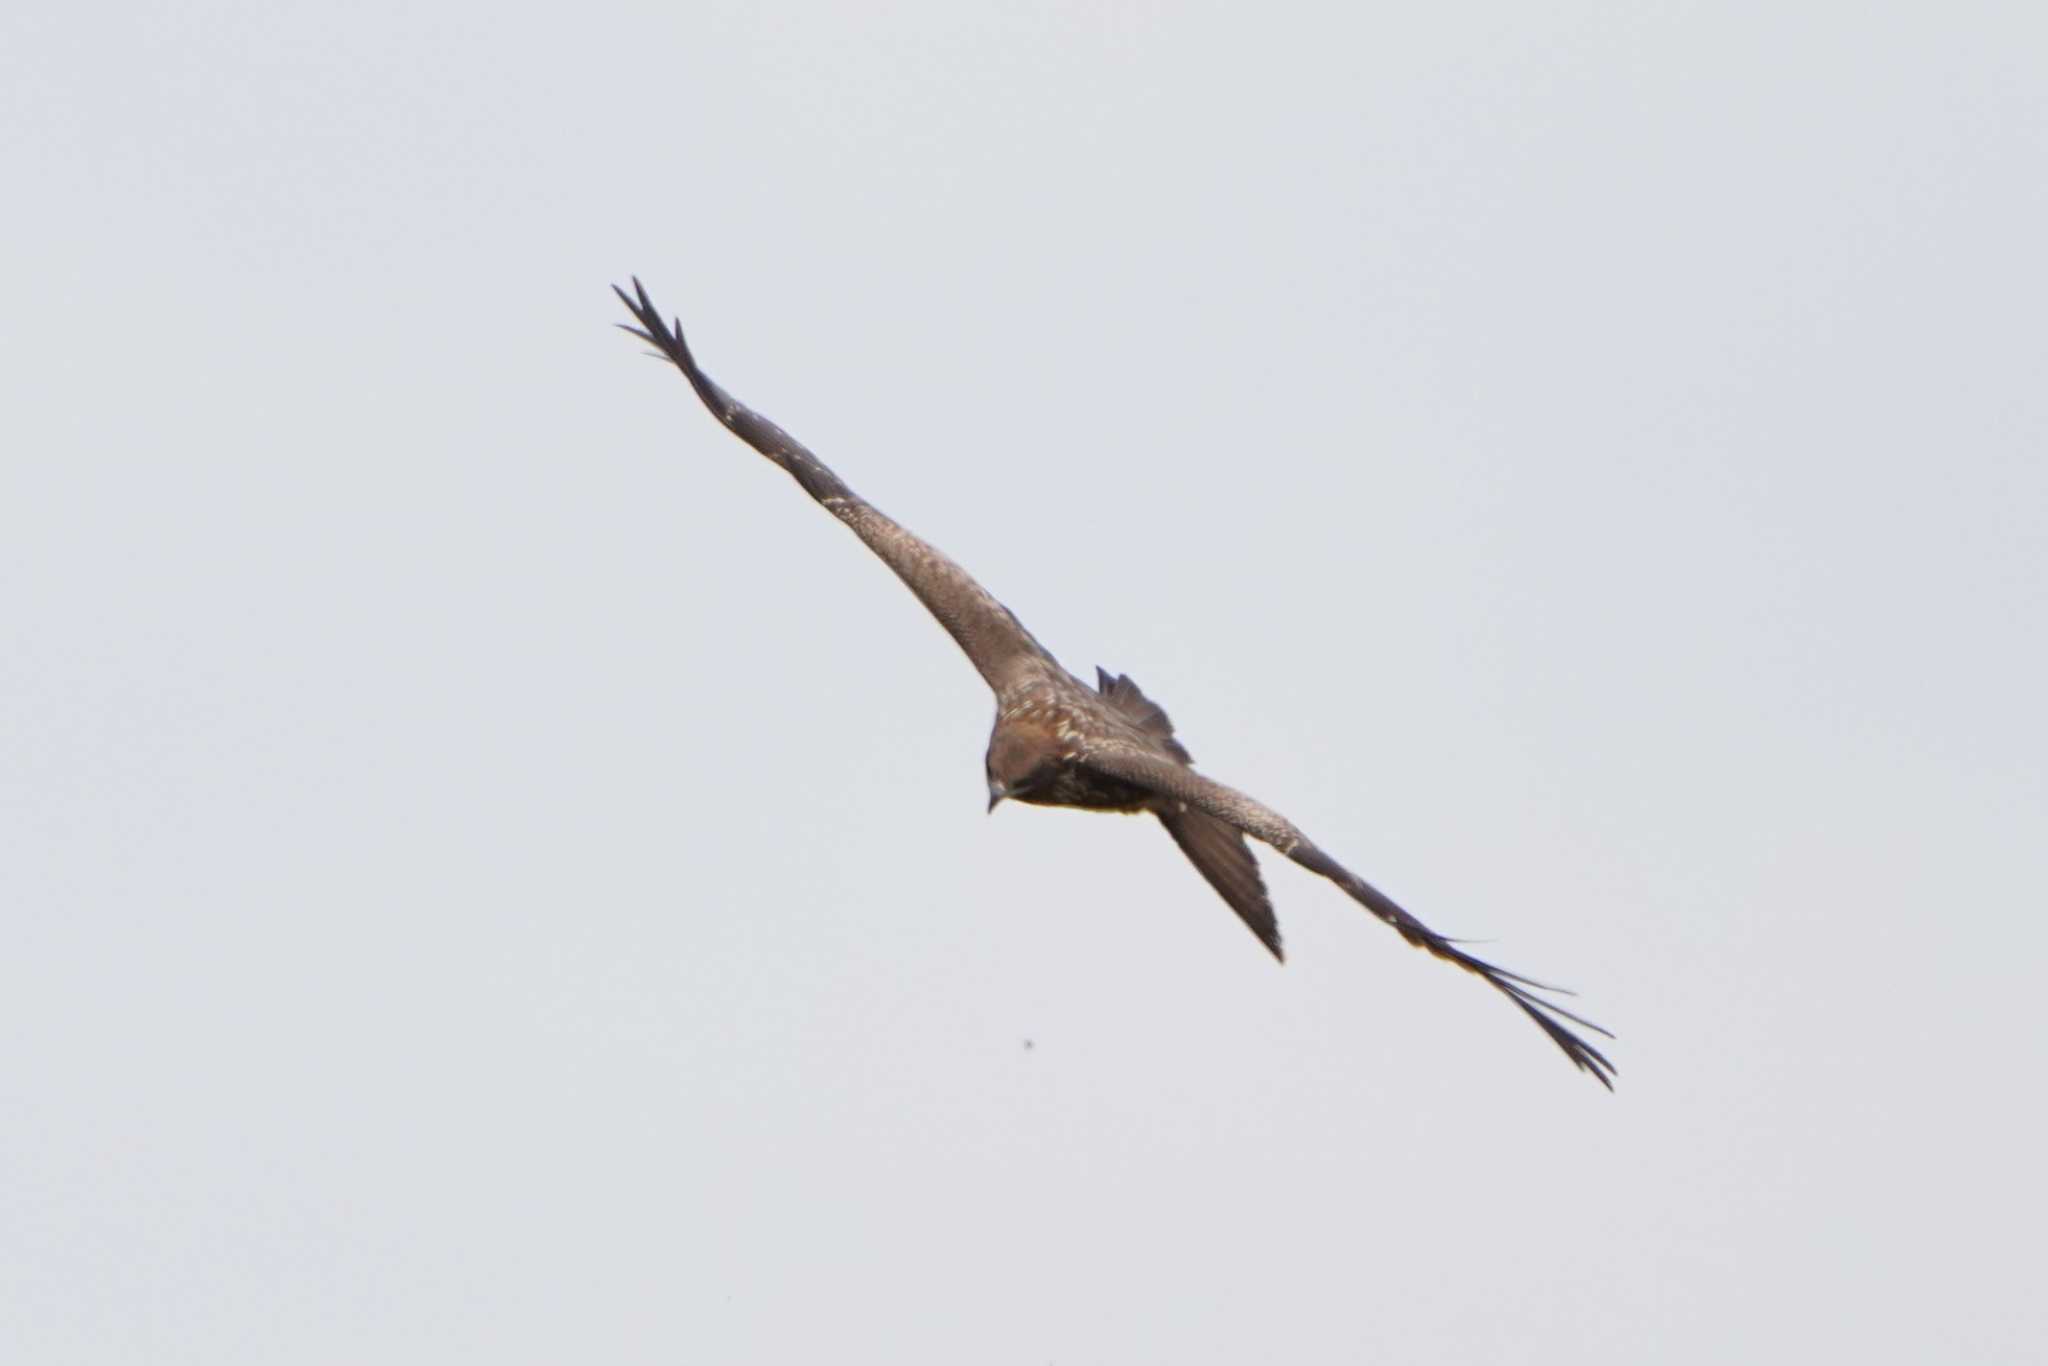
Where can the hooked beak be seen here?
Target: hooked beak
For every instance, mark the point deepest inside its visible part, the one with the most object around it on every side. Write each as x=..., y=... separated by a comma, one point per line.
x=996, y=792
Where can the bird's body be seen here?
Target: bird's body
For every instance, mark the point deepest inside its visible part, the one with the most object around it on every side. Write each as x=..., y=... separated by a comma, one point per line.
x=1059, y=742
x=1058, y=720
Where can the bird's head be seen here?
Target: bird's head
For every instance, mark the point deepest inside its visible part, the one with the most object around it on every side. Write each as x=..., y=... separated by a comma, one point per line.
x=1019, y=763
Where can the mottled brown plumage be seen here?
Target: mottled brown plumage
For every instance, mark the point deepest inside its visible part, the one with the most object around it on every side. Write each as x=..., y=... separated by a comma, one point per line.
x=1059, y=742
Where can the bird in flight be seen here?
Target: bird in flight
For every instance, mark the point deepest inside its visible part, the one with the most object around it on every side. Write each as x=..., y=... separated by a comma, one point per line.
x=1059, y=742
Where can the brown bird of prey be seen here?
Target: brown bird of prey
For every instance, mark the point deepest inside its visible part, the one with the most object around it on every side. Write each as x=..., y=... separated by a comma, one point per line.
x=1059, y=742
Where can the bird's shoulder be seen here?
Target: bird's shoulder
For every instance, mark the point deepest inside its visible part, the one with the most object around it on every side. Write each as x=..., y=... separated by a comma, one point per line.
x=1070, y=712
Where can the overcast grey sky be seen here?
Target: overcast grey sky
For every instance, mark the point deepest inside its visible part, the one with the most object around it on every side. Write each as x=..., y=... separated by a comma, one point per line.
x=489, y=872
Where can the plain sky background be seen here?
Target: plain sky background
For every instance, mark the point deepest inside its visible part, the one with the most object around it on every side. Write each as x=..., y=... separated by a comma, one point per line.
x=489, y=872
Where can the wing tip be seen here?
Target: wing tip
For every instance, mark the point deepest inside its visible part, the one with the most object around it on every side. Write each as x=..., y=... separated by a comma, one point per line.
x=665, y=335
x=1523, y=991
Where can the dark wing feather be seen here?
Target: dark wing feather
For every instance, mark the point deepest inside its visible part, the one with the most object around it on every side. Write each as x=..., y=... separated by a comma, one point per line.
x=1216, y=849
x=1000, y=648
x=1177, y=782
x=1141, y=711
x=1220, y=854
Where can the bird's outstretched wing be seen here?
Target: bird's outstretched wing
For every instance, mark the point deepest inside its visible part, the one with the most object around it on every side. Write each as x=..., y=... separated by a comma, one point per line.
x=1176, y=782
x=1001, y=649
